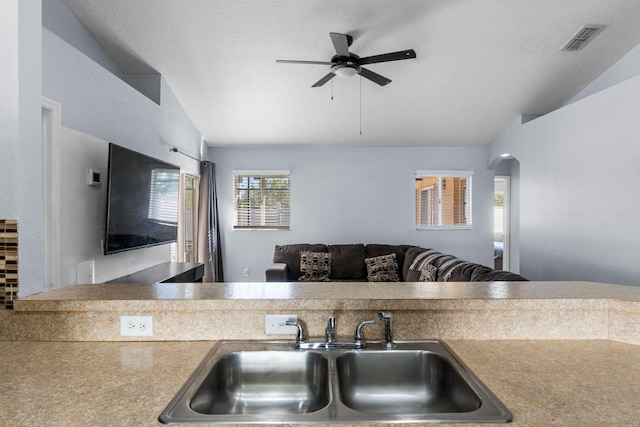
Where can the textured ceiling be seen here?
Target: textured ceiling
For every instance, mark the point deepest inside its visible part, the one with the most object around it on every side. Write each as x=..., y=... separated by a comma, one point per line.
x=480, y=64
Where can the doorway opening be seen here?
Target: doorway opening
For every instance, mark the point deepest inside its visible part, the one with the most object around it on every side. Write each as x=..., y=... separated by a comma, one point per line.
x=501, y=203
x=187, y=225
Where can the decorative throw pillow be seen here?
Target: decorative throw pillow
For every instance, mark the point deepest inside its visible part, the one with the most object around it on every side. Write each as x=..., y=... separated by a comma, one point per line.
x=428, y=273
x=382, y=268
x=315, y=266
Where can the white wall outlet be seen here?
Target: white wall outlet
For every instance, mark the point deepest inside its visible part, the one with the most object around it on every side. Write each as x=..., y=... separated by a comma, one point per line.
x=136, y=326
x=245, y=272
x=274, y=324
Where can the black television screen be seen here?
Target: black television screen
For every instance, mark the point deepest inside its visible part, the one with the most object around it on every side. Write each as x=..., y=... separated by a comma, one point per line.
x=142, y=201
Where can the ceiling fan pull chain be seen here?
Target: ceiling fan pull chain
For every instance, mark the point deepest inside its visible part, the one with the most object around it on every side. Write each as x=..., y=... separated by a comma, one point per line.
x=360, y=105
x=332, y=90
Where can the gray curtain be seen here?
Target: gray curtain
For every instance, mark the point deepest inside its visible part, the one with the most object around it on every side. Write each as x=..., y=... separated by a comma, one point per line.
x=209, y=248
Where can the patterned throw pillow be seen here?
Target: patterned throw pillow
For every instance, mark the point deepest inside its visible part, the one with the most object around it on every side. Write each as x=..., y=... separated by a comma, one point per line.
x=428, y=273
x=315, y=266
x=382, y=268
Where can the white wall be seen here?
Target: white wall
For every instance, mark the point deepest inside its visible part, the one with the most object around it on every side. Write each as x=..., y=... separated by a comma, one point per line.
x=351, y=195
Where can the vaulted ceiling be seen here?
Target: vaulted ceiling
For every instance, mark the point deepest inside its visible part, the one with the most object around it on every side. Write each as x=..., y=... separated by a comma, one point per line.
x=480, y=64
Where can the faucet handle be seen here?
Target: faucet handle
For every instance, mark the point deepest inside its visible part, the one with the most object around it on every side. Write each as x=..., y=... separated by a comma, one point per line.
x=301, y=335
x=359, y=336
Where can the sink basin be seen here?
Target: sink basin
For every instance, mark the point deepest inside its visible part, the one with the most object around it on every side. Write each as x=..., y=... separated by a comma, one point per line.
x=247, y=382
x=403, y=382
x=264, y=382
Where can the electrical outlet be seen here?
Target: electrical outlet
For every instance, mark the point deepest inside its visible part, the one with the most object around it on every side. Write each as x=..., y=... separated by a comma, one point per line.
x=274, y=324
x=245, y=272
x=136, y=326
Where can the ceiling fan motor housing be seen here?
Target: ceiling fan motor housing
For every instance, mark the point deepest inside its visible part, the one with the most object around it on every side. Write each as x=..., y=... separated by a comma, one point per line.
x=346, y=66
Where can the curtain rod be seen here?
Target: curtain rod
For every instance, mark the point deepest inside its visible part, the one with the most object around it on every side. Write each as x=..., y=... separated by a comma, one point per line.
x=175, y=150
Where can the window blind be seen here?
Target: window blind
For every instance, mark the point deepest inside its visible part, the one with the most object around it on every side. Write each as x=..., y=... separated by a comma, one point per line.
x=262, y=200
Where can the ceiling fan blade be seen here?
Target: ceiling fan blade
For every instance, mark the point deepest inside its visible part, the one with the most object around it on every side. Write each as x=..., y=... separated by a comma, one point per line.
x=385, y=57
x=292, y=61
x=374, y=77
x=324, y=80
x=341, y=43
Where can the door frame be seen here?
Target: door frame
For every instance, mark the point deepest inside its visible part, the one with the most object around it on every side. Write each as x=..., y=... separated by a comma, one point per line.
x=51, y=124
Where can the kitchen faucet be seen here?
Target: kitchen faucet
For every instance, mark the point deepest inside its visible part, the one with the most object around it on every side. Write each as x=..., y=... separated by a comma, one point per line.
x=330, y=336
x=388, y=330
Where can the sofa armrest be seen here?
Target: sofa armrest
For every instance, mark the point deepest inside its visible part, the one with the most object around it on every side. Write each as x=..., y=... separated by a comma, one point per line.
x=276, y=273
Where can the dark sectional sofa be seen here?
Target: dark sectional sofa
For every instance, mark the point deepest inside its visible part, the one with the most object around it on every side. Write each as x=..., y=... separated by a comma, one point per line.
x=347, y=263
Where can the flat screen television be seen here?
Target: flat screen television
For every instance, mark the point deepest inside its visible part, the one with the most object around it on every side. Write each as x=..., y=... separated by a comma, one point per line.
x=142, y=201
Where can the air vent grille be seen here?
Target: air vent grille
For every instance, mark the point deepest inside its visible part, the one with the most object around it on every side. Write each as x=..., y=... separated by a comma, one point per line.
x=584, y=35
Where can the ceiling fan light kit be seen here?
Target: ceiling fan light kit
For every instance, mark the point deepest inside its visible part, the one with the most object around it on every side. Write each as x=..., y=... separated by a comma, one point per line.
x=345, y=71
x=347, y=64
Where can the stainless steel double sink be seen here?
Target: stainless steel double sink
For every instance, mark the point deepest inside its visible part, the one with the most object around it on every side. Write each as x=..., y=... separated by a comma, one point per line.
x=271, y=382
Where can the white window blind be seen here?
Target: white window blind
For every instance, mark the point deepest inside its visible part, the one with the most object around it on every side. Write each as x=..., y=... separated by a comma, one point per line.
x=262, y=199
x=443, y=199
x=163, y=196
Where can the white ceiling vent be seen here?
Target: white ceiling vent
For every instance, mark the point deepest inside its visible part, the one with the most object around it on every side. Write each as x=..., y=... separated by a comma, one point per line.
x=584, y=35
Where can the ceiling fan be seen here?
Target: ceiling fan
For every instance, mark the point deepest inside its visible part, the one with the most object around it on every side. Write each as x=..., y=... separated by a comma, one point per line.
x=347, y=64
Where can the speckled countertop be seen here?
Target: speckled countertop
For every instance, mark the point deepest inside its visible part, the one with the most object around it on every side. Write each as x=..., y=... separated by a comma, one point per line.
x=556, y=353
x=543, y=383
x=215, y=311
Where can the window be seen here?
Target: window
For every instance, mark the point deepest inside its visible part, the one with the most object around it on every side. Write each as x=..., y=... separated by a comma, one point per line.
x=443, y=199
x=262, y=199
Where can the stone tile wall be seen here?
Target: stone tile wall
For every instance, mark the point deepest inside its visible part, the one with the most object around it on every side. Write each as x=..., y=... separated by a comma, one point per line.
x=8, y=262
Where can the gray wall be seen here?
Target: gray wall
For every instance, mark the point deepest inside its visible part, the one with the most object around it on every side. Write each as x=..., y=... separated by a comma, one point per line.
x=59, y=19
x=579, y=179
x=20, y=135
x=351, y=195
x=98, y=107
x=625, y=68
x=9, y=108
x=94, y=102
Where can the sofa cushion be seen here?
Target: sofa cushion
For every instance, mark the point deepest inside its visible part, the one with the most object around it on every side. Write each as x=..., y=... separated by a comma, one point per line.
x=428, y=273
x=409, y=256
x=463, y=272
x=347, y=262
x=382, y=268
x=290, y=255
x=315, y=266
x=375, y=249
x=417, y=260
x=448, y=267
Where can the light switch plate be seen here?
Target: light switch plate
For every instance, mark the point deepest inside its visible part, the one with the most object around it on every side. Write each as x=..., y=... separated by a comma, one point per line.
x=85, y=272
